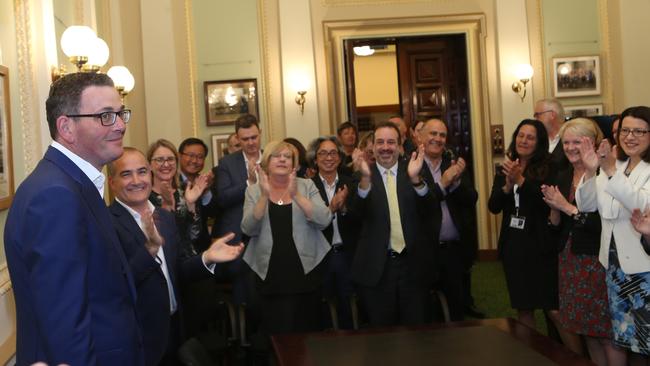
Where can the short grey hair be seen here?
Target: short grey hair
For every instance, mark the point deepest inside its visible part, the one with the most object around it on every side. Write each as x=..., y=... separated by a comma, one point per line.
x=315, y=145
x=555, y=105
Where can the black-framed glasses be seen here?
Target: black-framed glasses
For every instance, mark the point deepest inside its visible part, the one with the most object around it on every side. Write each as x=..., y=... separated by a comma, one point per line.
x=194, y=156
x=636, y=132
x=537, y=114
x=107, y=118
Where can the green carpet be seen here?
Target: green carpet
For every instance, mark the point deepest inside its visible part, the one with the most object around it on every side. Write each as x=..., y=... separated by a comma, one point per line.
x=491, y=294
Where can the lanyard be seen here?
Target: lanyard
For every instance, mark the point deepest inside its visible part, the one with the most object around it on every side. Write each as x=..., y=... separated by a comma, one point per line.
x=515, y=189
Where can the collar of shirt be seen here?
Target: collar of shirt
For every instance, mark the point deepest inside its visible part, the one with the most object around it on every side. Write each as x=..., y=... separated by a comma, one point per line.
x=553, y=143
x=383, y=170
x=88, y=169
x=259, y=157
x=336, y=180
x=433, y=168
x=136, y=215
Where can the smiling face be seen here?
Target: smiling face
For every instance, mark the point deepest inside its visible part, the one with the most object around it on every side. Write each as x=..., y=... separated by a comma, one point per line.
x=526, y=141
x=95, y=143
x=327, y=157
x=348, y=138
x=634, y=146
x=163, y=164
x=386, y=146
x=571, y=143
x=434, y=137
x=192, y=159
x=131, y=179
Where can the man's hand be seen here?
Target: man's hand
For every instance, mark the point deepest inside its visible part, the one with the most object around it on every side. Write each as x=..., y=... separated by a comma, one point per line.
x=415, y=165
x=338, y=201
x=220, y=251
x=453, y=173
x=154, y=240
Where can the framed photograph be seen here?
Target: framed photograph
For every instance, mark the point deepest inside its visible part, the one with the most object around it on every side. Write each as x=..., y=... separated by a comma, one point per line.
x=227, y=100
x=6, y=162
x=576, y=76
x=219, y=147
x=575, y=111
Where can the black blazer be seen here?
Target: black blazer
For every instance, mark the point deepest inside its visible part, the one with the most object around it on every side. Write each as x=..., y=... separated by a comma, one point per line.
x=584, y=228
x=153, y=297
x=462, y=208
x=372, y=212
x=532, y=207
x=230, y=190
x=345, y=222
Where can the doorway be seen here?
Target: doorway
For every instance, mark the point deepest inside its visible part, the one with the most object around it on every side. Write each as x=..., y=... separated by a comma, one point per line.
x=418, y=78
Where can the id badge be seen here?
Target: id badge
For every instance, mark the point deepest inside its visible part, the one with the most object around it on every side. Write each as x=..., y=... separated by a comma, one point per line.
x=517, y=222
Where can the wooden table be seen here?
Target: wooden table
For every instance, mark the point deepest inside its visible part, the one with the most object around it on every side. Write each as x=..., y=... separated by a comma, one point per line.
x=481, y=342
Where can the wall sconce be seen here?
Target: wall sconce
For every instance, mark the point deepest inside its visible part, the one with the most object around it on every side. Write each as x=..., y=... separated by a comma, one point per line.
x=523, y=72
x=300, y=100
x=123, y=80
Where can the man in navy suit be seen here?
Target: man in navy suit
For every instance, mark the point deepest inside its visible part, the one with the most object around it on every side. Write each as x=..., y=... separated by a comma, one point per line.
x=233, y=175
x=158, y=258
x=393, y=265
x=75, y=295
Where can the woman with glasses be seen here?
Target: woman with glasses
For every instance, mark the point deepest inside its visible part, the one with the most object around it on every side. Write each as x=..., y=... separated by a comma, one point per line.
x=165, y=193
x=621, y=186
x=284, y=216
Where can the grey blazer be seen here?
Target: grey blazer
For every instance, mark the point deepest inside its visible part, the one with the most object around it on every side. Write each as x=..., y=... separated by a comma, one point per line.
x=310, y=241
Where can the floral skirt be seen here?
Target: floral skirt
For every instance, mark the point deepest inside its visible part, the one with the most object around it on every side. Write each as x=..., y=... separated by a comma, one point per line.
x=583, y=294
x=629, y=302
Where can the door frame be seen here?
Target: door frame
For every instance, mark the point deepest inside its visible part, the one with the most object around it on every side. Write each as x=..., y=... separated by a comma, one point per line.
x=474, y=28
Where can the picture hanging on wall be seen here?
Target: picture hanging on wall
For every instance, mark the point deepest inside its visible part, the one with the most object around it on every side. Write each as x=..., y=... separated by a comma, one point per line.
x=6, y=161
x=576, y=76
x=219, y=147
x=227, y=100
x=575, y=111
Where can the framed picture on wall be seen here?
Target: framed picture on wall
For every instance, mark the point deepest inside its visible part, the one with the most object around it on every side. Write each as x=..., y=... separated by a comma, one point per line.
x=576, y=76
x=575, y=111
x=227, y=100
x=219, y=147
x=6, y=161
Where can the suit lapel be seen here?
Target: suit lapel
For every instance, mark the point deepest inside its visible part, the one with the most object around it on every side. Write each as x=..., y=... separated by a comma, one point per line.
x=127, y=221
x=321, y=189
x=97, y=208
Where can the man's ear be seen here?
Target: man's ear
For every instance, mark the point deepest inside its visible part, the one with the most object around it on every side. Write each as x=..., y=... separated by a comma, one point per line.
x=65, y=128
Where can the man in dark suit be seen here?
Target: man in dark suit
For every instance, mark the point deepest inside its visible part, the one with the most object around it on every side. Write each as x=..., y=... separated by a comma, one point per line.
x=454, y=219
x=156, y=255
x=233, y=175
x=393, y=264
x=75, y=295
x=551, y=113
x=326, y=154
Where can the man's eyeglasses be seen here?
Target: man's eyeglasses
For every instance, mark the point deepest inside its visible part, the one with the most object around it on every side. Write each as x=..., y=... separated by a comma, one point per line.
x=537, y=114
x=161, y=160
x=107, y=118
x=331, y=153
x=194, y=156
x=636, y=132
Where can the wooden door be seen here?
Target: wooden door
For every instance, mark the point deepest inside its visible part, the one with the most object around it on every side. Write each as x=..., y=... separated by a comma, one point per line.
x=433, y=84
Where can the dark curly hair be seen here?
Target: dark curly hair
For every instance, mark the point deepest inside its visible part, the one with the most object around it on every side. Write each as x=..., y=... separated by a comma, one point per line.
x=538, y=165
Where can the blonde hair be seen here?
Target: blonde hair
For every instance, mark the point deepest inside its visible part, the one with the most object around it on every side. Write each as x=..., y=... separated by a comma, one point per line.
x=275, y=147
x=583, y=127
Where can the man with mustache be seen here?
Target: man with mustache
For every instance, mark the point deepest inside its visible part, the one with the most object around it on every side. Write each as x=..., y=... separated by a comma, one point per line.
x=393, y=264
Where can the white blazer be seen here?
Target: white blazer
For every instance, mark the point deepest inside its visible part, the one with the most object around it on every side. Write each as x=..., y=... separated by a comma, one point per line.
x=615, y=198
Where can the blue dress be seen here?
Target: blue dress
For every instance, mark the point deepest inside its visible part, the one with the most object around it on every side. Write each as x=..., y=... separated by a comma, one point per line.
x=629, y=304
